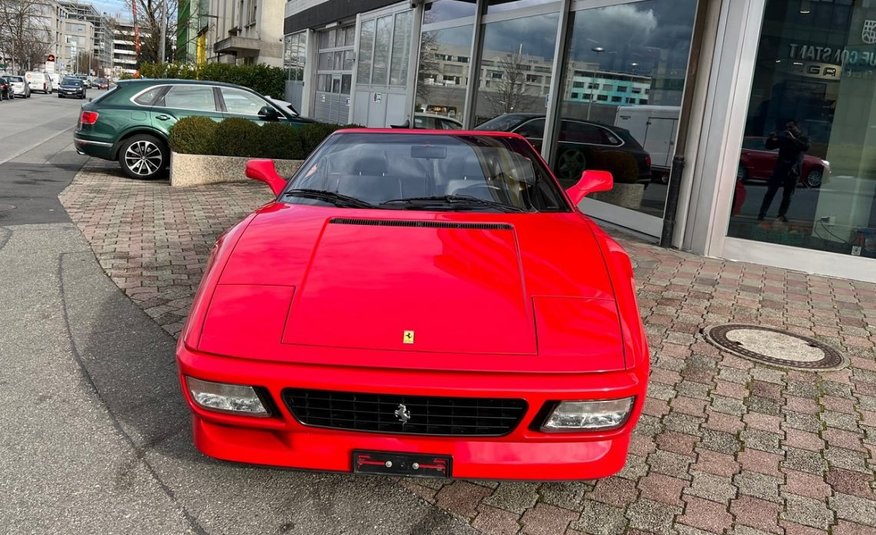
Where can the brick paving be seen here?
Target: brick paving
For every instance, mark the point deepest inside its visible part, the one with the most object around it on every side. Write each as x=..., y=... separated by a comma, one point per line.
x=724, y=445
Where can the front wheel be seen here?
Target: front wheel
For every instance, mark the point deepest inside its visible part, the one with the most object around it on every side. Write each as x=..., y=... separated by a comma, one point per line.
x=570, y=164
x=143, y=156
x=813, y=179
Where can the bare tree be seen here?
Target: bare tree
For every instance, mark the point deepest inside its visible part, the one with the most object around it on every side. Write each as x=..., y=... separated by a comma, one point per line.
x=25, y=34
x=430, y=67
x=149, y=17
x=506, y=92
x=86, y=62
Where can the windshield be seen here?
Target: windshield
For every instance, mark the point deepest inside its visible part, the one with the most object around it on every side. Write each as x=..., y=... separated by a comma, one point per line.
x=428, y=172
x=16, y=79
x=71, y=81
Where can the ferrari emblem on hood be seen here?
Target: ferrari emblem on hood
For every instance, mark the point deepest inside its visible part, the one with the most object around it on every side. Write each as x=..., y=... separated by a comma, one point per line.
x=402, y=413
x=408, y=337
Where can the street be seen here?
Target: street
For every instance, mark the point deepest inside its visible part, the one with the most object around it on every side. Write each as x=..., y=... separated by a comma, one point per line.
x=95, y=433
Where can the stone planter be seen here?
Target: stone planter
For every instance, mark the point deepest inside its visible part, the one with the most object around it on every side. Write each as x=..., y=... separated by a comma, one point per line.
x=196, y=169
x=625, y=195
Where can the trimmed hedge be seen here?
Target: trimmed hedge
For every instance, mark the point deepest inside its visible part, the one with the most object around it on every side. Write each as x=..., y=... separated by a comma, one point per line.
x=194, y=135
x=241, y=137
x=263, y=79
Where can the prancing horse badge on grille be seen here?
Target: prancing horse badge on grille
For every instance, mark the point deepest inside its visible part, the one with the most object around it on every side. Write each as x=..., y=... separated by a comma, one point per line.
x=402, y=413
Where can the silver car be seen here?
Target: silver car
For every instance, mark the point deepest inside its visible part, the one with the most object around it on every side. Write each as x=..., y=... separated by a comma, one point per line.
x=19, y=87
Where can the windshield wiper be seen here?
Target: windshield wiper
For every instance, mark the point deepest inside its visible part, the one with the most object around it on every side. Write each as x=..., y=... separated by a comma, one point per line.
x=455, y=201
x=344, y=201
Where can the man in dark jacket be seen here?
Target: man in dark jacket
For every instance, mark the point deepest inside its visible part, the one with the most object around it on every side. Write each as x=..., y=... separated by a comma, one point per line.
x=791, y=144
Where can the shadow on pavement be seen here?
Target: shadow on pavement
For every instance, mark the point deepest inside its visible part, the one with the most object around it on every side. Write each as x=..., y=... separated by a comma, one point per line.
x=129, y=361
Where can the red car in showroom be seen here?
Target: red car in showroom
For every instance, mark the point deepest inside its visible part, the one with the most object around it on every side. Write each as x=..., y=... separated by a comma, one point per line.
x=757, y=163
x=418, y=303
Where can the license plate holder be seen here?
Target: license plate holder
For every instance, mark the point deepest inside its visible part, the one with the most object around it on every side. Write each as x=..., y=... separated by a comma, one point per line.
x=402, y=464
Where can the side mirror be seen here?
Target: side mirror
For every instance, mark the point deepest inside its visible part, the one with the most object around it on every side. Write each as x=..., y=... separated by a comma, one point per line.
x=269, y=114
x=264, y=170
x=590, y=182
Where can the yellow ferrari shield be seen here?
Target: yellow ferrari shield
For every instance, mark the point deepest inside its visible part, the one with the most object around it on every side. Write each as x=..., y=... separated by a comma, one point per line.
x=408, y=337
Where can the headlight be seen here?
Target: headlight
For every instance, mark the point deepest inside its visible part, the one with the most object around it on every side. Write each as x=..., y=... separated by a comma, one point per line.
x=600, y=415
x=226, y=398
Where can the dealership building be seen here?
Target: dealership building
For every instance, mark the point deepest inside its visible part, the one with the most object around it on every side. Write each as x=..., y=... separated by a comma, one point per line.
x=702, y=86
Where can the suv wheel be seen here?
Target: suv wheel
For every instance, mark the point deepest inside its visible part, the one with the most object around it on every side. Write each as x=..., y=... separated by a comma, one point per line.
x=143, y=156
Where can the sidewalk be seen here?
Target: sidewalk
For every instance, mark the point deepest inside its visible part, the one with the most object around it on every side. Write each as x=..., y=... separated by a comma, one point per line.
x=725, y=445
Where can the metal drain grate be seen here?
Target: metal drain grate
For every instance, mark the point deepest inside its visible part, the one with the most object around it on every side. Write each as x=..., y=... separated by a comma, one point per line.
x=775, y=347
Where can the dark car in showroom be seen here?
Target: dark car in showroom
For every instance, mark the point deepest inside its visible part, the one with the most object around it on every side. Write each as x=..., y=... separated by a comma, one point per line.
x=71, y=87
x=131, y=121
x=582, y=145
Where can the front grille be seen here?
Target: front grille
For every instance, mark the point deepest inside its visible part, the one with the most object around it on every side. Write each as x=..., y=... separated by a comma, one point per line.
x=428, y=415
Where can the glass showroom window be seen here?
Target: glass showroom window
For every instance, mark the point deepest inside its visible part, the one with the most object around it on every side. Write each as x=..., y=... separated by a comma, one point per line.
x=515, y=67
x=442, y=76
x=616, y=52
x=807, y=171
x=294, y=55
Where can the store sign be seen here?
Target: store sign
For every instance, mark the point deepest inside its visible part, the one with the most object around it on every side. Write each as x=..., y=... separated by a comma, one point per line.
x=837, y=56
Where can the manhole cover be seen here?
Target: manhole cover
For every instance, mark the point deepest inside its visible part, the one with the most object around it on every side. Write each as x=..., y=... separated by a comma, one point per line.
x=774, y=346
x=4, y=207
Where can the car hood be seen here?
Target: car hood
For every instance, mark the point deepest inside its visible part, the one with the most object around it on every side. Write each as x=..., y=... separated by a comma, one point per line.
x=525, y=292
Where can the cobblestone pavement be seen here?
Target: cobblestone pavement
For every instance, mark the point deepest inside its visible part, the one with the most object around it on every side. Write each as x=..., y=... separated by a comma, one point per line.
x=725, y=445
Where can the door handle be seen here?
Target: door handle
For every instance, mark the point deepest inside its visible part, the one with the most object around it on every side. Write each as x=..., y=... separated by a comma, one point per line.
x=162, y=117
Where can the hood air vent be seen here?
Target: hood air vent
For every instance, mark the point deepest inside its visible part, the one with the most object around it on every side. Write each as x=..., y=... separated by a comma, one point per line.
x=420, y=224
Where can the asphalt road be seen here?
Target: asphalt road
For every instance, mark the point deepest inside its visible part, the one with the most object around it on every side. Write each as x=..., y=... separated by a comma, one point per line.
x=95, y=436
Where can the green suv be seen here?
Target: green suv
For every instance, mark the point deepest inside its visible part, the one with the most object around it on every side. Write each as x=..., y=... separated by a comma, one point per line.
x=131, y=121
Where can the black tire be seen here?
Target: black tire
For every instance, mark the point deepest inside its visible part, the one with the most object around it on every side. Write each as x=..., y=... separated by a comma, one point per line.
x=814, y=178
x=144, y=157
x=60, y=95
x=570, y=164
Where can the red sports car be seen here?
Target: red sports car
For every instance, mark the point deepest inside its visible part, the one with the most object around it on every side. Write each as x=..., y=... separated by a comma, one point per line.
x=418, y=303
x=757, y=163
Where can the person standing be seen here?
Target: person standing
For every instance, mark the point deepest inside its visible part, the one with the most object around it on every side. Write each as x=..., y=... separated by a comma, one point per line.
x=792, y=144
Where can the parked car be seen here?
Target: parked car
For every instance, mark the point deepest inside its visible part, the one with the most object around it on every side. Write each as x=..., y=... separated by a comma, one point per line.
x=55, y=80
x=757, y=163
x=103, y=83
x=582, y=145
x=5, y=89
x=20, y=88
x=130, y=122
x=441, y=323
x=436, y=122
x=71, y=87
x=39, y=81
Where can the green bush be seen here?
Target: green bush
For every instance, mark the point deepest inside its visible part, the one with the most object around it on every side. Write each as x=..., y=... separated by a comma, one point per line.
x=262, y=79
x=237, y=137
x=313, y=134
x=281, y=141
x=194, y=135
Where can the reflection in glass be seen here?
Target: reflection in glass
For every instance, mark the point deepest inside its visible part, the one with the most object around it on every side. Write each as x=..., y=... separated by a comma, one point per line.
x=401, y=48
x=381, y=50
x=442, y=10
x=366, y=43
x=623, y=78
x=498, y=6
x=443, y=73
x=515, y=68
x=807, y=172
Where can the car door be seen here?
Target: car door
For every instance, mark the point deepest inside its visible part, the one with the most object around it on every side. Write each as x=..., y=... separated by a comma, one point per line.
x=236, y=102
x=174, y=102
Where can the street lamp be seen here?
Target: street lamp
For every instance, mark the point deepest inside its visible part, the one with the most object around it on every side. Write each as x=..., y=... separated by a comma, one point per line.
x=598, y=50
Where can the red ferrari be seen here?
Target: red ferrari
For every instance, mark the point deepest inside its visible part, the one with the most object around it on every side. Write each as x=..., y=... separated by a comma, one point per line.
x=421, y=303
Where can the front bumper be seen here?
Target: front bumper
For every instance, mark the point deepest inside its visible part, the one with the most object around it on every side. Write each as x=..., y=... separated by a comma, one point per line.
x=524, y=454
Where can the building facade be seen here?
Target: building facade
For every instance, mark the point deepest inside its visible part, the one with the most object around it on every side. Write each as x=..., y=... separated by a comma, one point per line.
x=708, y=88
x=125, y=54
x=100, y=45
x=245, y=32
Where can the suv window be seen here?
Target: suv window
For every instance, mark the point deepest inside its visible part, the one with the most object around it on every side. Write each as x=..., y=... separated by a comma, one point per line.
x=189, y=97
x=532, y=129
x=581, y=133
x=241, y=102
x=146, y=98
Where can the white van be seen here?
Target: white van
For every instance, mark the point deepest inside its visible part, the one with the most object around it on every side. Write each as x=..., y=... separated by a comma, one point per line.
x=39, y=81
x=56, y=80
x=655, y=128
